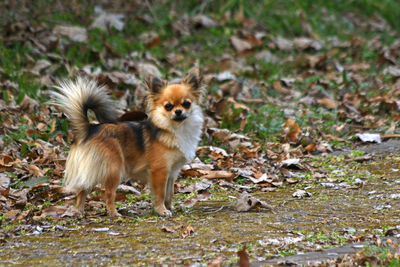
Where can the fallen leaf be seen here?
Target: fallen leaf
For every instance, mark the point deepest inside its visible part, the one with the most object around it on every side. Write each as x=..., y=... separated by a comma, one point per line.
x=232, y=88
x=303, y=43
x=28, y=104
x=267, y=57
x=188, y=231
x=71, y=211
x=225, y=75
x=54, y=211
x=167, y=229
x=150, y=39
x=312, y=147
x=35, y=170
x=11, y=214
x=4, y=181
x=127, y=189
x=106, y=20
x=328, y=103
x=147, y=69
x=203, y=21
x=280, y=89
x=247, y=202
x=261, y=179
x=239, y=44
x=369, y=137
x=218, y=175
x=200, y=197
x=196, y=187
x=301, y=194
x=283, y=44
x=40, y=65
x=291, y=162
x=217, y=262
x=291, y=131
x=75, y=33
x=392, y=70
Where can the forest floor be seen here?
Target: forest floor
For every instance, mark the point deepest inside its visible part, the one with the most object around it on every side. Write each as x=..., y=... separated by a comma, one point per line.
x=295, y=91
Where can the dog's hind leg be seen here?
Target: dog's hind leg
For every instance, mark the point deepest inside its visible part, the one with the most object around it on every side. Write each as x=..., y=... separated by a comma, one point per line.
x=80, y=200
x=111, y=184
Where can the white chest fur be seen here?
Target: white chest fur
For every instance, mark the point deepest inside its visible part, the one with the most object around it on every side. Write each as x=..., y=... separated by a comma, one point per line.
x=188, y=133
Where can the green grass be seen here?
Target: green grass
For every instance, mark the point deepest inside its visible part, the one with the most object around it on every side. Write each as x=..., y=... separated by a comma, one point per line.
x=289, y=19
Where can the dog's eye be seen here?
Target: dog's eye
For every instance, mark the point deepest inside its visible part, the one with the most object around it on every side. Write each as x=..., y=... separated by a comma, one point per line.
x=169, y=107
x=186, y=104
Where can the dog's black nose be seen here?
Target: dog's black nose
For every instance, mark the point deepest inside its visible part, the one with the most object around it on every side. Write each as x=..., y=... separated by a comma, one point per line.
x=178, y=112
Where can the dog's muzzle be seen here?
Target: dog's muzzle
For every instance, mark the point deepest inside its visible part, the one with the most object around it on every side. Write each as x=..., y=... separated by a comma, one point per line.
x=180, y=117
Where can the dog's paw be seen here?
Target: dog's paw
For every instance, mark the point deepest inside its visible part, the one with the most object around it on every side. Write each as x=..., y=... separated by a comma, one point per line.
x=164, y=212
x=167, y=214
x=114, y=214
x=72, y=211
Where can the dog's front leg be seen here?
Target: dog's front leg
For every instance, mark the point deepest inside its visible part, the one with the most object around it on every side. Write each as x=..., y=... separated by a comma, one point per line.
x=170, y=188
x=158, y=180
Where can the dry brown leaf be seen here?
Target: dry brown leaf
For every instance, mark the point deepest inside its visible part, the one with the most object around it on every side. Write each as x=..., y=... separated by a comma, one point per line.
x=196, y=187
x=53, y=211
x=312, y=147
x=217, y=262
x=200, y=197
x=188, y=231
x=203, y=21
x=239, y=44
x=291, y=131
x=231, y=88
x=105, y=20
x=218, y=175
x=249, y=153
x=261, y=179
x=391, y=129
x=328, y=103
x=147, y=69
x=35, y=170
x=40, y=65
x=267, y=57
x=280, y=88
x=28, y=104
x=247, y=202
x=11, y=214
x=4, y=181
x=150, y=39
x=75, y=33
x=6, y=160
x=167, y=229
x=283, y=44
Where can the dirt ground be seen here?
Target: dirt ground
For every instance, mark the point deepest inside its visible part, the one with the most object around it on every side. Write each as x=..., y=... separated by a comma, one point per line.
x=337, y=219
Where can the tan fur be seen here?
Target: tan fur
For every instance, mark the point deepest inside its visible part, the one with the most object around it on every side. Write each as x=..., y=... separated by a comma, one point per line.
x=115, y=151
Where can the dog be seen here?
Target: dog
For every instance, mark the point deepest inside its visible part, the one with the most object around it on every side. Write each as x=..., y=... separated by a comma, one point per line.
x=153, y=150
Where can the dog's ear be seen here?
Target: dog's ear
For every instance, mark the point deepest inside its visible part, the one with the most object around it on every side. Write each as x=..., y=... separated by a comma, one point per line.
x=154, y=84
x=194, y=79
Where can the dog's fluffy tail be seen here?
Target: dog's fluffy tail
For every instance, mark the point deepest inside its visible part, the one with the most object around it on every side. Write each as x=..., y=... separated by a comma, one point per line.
x=76, y=97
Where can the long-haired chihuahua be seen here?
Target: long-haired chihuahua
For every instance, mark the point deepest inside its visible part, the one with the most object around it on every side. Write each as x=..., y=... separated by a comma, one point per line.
x=152, y=150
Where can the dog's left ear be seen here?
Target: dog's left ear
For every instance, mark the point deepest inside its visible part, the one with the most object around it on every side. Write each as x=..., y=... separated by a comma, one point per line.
x=154, y=84
x=194, y=79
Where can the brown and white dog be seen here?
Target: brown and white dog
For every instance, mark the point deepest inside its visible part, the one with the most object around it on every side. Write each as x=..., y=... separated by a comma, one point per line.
x=153, y=150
